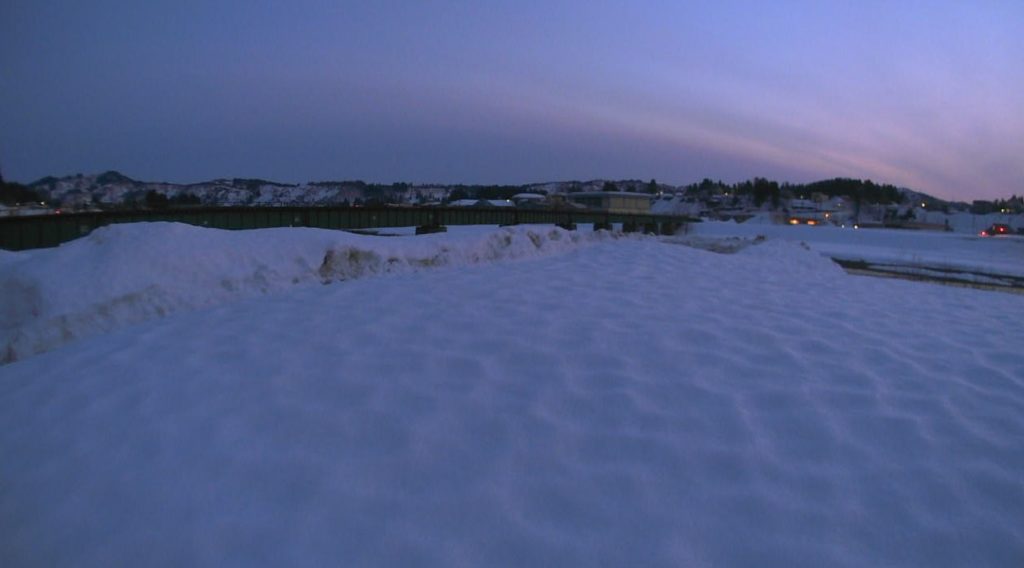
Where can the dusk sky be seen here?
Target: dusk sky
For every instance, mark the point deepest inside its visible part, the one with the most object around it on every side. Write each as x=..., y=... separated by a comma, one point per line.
x=928, y=95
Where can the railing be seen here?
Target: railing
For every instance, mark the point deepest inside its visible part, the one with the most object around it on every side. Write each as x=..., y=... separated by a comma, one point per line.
x=40, y=231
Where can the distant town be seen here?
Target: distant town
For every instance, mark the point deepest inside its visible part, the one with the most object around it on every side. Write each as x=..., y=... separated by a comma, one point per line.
x=839, y=202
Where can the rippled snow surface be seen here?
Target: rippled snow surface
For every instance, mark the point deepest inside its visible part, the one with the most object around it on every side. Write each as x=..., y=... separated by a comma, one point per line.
x=627, y=403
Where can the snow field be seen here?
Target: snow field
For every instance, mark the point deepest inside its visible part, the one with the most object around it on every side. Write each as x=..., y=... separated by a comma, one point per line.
x=627, y=403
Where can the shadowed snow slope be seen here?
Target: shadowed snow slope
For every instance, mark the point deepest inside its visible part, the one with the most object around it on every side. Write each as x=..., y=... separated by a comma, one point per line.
x=627, y=403
x=124, y=274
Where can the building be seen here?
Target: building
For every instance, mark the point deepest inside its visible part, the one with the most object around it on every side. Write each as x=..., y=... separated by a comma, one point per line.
x=529, y=199
x=614, y=201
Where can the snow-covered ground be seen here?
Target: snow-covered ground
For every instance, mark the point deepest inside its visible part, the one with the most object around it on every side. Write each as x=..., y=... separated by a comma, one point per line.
x=969, y=252
x=522, y=396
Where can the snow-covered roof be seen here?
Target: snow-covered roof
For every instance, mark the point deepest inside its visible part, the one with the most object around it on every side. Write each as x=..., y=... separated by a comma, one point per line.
x=528, y=196
x=646, y=196
x=481, y=203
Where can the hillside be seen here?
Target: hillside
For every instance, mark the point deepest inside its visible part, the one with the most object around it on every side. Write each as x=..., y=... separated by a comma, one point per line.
x=116, y=189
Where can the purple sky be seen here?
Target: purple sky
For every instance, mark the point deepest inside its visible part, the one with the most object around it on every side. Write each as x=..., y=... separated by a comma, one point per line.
x=929, y=95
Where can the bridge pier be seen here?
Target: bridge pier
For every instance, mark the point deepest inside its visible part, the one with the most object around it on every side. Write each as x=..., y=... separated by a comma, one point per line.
x=669, y=228
x=427, y=229
x=568, y=226
x=515, y=220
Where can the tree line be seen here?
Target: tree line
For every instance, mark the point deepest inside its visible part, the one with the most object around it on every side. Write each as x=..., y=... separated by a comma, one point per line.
x=12, y=193
x=763, y=190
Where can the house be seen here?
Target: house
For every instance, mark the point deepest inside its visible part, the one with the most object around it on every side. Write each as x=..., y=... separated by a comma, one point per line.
x=805, y=212
x=802, y=206
x=614, y=201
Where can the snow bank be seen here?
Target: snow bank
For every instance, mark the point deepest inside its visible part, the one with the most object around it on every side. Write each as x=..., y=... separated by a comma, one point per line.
x=633, y=403
x=125, y=274
x=1003, y=255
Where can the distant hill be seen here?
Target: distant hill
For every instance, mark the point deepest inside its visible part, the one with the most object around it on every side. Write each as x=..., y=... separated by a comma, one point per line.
x=113, y=189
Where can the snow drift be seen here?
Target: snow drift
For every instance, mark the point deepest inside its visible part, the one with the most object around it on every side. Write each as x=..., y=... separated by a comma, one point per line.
x=124, y=274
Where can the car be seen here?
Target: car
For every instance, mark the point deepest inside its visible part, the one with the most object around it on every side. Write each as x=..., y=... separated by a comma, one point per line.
x=996, y=230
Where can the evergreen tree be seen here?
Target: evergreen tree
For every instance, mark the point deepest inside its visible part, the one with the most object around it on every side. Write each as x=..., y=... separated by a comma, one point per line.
x=764, y=190
x=457, y=194
x=156, y=200
x=14, y=193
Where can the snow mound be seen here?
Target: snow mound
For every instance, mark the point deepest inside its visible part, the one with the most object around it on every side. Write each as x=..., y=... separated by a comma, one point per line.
x=723, y=245
x=125, y=274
